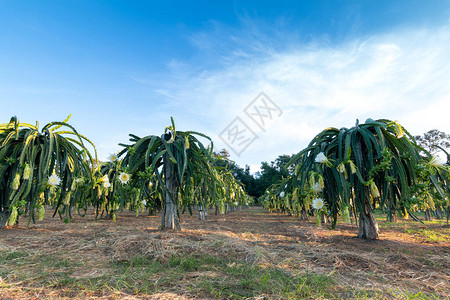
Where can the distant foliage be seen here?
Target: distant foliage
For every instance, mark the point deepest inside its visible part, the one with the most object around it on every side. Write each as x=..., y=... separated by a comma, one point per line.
x=433, y=138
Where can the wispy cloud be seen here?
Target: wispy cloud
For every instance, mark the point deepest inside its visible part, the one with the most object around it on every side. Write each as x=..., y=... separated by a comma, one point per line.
x=402, y=75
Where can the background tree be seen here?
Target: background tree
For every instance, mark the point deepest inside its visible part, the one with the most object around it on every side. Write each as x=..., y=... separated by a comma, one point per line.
x=273, y=172
x=256, y=184
x=251, y=185
x=433, y=138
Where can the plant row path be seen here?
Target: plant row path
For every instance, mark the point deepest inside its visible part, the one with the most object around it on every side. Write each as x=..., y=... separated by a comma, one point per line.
x=245, y=254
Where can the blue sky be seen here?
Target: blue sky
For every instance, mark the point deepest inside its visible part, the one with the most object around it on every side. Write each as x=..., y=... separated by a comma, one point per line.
x=124, y=67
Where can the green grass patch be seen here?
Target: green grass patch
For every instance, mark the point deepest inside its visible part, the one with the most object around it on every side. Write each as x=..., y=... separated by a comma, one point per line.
x=429, y=235
x=251, y=281
x=206, y=276
x=230, y=279
x=6, y=256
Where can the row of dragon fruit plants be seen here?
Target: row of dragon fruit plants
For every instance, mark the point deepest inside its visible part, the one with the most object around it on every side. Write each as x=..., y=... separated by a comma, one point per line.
x=57, y=167
x=350, y=172
x=345, y=172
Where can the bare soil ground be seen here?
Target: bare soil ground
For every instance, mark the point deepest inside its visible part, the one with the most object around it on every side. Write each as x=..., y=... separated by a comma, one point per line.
x=54, y=260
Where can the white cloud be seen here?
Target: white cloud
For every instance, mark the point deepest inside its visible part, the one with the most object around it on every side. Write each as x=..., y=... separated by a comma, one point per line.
x=402, y=76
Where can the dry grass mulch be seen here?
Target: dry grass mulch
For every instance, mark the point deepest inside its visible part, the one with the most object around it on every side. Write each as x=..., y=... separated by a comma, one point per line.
x=402, y=264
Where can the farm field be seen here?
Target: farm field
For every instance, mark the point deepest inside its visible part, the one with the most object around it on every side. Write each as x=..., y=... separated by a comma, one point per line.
x=315, y=132
x=245, y=254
